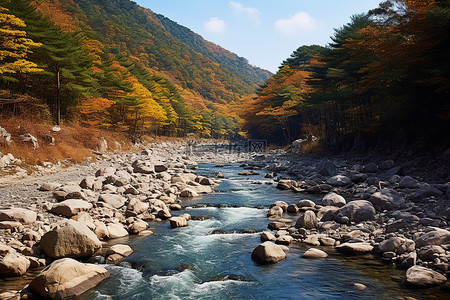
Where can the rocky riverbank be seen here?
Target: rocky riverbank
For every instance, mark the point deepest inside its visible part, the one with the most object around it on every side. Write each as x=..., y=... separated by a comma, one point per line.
x=62, y=218
x=370, y=208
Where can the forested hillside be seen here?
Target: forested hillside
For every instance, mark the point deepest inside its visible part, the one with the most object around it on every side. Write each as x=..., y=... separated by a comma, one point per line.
x=384, y=77
x=113, y=64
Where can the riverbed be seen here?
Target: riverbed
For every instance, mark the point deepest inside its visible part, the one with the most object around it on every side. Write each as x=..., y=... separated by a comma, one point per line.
x=194, y=263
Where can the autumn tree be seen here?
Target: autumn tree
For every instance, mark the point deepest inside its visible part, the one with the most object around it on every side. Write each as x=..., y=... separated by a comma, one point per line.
x=14, y=46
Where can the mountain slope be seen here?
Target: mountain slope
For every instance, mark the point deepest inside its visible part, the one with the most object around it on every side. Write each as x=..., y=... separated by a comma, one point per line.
x=149, y=64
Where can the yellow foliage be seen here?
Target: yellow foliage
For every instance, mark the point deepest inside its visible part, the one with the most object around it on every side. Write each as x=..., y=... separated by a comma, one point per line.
x=14, y=45
x=149, y=110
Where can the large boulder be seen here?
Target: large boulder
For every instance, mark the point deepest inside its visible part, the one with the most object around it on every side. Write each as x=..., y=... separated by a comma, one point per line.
x=115, y=201
x=70, y=239
x=268, y=253
x=333, y=199
x=21, y=215
x=67, y=278
x=436, y=237
x=71, y=207
x=423, y=277
x=338, y=180
x=308, y=220
x=13, y=264
x=386, y=199
x=356, y=211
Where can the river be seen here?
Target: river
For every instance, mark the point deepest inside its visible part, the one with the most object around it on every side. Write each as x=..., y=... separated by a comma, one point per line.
x=192, y=263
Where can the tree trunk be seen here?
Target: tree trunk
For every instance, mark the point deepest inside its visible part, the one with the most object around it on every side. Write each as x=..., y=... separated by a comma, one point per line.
x=58, y=96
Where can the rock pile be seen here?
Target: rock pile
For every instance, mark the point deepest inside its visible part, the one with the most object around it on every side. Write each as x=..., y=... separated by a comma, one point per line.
x=116, y=201
x=368, y=208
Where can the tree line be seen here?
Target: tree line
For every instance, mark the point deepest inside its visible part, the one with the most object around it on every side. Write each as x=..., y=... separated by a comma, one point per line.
x=113, y=64
x=383, y=78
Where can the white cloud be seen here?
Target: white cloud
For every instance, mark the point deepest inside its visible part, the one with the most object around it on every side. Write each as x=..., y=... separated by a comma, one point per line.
x=301, y=21
x=251, y=12
x=215, y=25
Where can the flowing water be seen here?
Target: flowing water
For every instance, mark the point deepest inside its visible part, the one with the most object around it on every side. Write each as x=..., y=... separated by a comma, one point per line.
x=192, y=263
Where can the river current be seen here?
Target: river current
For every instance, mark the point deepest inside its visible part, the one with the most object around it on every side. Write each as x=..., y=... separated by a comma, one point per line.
x=193, y=263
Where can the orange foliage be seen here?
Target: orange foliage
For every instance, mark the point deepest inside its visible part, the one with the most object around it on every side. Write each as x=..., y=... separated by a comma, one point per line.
x=55, y=11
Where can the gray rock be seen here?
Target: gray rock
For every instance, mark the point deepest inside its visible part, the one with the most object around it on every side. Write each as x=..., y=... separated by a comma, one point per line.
x=386, y=199
x=408, y=217
x=397, y=245
x=326, y=168
x=314, y=253
x=429, y=253
x=396, y=226
x=268, y=253
x=407, y=260
x=48, y=187
x=408, y=182
x=338, y=180
x=293, y=209
x=275, y=211
x=426, y=191
x=284, y=240
x=436, y=237
x=123, y=250
x=178, y=222
x=71, y=207
x=386, y=165
x=108, y=171
x=112, y=200
x=137, y=226
x=66, y=278
x=188, y=192
x=355, y=211
x=13, y=264
x=308, y=220
x=70, y=239
x=354, y=248
x=116, y=230
x=423, y=277
x=333, y=199
x=305, y=203
x=281, y=204
x=359, y=177
x=88, y=182
x=370, y=168
x=22, y=215
x=267, y=236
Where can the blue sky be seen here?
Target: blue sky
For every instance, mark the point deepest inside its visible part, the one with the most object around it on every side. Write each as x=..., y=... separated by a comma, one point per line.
x=265, y=32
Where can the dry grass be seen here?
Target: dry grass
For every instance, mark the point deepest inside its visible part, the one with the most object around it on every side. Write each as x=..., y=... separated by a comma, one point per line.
x=73, y=142
x=312, y=148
